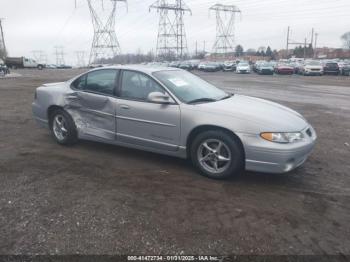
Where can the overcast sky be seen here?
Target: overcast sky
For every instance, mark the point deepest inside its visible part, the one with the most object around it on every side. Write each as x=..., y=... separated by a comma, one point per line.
x=44, y=24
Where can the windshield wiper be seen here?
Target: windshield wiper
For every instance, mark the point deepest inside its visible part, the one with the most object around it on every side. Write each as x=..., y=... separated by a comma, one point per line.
x=227, y=96
x=199, y=100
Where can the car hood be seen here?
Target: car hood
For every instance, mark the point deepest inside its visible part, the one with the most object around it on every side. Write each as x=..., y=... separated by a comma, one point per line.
x=266, y=115
x=266, y=67
x=243, y=67
x=285, y=67
x=313, y=67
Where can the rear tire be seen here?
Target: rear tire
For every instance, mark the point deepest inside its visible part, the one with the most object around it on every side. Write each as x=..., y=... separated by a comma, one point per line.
x=217, y=155
x=63, y=128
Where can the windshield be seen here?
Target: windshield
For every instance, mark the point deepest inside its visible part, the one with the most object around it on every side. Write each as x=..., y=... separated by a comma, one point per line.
x=187, y=87
x=316, y=63
x=243, y=64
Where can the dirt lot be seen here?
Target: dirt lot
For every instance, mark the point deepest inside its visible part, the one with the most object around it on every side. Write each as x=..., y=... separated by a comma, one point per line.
x=100, y=199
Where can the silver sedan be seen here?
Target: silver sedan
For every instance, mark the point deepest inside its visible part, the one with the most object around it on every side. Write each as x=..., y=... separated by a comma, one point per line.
x=173, y=112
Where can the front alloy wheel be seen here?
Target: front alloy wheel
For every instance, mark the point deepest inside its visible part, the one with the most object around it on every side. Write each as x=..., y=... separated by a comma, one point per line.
x=214, y=156
x=217, y=154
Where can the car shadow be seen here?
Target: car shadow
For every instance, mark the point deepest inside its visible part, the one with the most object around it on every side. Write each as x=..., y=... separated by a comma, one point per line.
x=184, y=167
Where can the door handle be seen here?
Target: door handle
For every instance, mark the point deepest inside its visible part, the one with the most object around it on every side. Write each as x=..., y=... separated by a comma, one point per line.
x=124, y=107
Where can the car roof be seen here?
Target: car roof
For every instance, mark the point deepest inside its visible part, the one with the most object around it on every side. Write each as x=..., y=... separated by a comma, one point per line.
x=142, y=68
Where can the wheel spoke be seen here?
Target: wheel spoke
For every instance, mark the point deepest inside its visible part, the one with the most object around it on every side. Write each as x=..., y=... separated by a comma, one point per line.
x=223, y=159
x=207, y=147
x=215, y=164
x=218, y=148
x=58, y=122
x=205, y=158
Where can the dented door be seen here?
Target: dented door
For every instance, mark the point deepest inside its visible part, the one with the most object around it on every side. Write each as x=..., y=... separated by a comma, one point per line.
x=93, y=114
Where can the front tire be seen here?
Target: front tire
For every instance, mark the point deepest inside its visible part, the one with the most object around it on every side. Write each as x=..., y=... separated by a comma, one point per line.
x=217, y=155
x=63, y=128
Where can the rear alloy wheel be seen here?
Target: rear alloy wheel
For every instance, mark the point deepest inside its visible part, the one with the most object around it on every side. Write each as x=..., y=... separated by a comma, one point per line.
x=217, y=155
x=63, y=128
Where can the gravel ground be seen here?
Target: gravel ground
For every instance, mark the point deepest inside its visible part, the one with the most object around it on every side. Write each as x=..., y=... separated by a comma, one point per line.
x=99, y=199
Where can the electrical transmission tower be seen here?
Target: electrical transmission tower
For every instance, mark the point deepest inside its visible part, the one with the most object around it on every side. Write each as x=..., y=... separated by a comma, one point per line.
x=80, y=58
x=59, y=55
x=40, y=56
x=3, y=52
x=171, y=41
x=225, y=28
x=105, y=42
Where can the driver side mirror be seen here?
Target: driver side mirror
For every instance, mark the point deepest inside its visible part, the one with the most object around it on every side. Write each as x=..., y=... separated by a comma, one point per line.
x=160, y=98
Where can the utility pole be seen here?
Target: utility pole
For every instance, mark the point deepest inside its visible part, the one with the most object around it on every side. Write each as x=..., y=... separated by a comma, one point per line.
x=171, y=40
x=105, y=42
x=225, y=35
x=287, y=43
x=315, y=48
x=3, y=51
x=196, y=48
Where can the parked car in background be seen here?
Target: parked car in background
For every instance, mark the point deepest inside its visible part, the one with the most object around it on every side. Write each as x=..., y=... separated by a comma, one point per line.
x=186, y=65
x=284, y=69
x=4, y=70
x=51, y=66
x=23, y=62
x=173, y=112
x=174, y=64
x=295, y=65
x=265, y=68
x=345, y=69
x=331, y=68
x=210, y=67
x=243, y=68
x=256, y=65
x=64, y=67
x=229, y=66
x=311, y=67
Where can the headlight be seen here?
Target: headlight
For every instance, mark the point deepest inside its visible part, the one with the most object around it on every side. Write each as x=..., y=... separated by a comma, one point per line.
x=283, y=137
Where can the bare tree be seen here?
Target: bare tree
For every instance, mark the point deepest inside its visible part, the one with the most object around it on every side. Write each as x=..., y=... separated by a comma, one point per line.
x=346, y=39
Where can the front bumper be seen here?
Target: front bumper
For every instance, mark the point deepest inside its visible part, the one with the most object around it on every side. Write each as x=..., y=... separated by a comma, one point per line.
x=313, y=72
x=268, y=157
x=243, y=71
